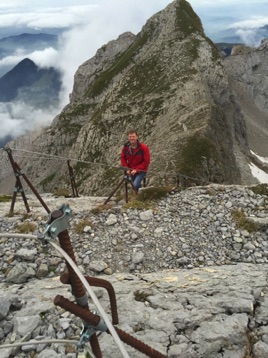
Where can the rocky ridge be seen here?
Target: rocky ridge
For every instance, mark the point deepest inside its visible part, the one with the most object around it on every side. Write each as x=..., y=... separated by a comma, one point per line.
x=188, y=280
x=168, y=81
x=248, y=78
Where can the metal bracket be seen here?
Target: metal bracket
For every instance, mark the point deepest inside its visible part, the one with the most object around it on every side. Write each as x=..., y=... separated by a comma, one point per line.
x=18, y=190
x=88, y=330
x=85, y=334
x=127, y=178
x=60, y=224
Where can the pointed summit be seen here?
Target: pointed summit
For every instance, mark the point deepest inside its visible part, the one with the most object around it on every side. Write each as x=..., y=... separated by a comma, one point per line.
x=170, y=84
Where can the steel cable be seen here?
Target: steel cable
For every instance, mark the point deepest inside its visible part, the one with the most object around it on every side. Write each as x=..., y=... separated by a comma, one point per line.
x=85, y=283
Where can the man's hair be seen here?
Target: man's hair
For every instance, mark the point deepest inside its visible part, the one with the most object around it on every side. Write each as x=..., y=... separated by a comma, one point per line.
x=131, y=131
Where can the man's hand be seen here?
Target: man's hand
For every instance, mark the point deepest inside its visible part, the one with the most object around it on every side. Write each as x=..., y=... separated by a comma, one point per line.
x=133, y=172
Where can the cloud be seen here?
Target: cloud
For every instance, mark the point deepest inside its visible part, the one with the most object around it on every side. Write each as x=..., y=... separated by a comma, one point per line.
x=48, y=18
x=89, y=27
x=219, y=16
x=17, y=118
x=251, y=31
x=253, y=23
x=44, y=58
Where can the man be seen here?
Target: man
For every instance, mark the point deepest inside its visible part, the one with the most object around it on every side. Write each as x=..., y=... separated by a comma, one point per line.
x=135, y=155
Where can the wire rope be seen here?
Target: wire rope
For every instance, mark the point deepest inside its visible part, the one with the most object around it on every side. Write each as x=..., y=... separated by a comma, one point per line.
x=47, y=341
x=45, y=156
x=85, y=283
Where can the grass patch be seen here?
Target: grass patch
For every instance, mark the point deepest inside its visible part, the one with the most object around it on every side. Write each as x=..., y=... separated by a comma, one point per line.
x=146, y=198
x=191, y=161
x=26, y=227
x=62, y=192
x=101, y=208
x=261, y=189
x=140, y=205
x=242, y=222
x=142, y=295
x=5, y=198
x=154, y=193
x=79, y=227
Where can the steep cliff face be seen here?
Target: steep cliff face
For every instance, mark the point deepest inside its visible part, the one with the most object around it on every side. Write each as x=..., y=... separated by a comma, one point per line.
x=170, y=84
x=248, y=78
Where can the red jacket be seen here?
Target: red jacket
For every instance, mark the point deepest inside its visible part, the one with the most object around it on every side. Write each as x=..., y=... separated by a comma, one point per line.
x=139, y=159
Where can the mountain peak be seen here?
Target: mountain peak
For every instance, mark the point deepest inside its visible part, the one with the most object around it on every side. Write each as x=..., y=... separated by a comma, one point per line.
x=170, y=83
x=33, y=85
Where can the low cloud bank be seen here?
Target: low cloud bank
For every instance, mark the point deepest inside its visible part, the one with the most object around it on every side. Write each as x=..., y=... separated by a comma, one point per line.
x=90, y=27
x=17, y=118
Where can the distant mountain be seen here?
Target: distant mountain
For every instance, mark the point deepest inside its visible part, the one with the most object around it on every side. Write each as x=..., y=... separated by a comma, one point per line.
x=226, y=48
x=35, y=86
x=253, y=37
x=169, y=82
x=26, y=43
x=201, y=116
x=29, y=42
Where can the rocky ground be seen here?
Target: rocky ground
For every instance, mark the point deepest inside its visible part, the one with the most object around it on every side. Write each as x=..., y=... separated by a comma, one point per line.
x=189, y=281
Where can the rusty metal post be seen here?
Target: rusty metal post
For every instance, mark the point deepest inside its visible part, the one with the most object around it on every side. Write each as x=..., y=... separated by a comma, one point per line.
x=81, y=308
x=114, y=191
x=76, y=284
x=72, y=179
x=94, y=319
x=98, y=282
x=33, y=189
x=137, y=344
x=18, y=185
x=126, y=187
x=18, y=189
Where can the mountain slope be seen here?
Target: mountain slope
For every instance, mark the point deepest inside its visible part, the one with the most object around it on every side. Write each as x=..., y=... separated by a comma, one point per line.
x=170, y=83
x=28, y=42
x=37, y=87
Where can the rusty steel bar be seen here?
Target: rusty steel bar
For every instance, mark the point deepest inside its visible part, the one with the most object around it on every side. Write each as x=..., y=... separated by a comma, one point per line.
x=18, y=184
x=76, y=284
x=70, y=175
x=137, y=344
x=94, y=320
x=73, y=183
x=33, y=189
x=77, y=310
x=65, y=243
x=19, y=188
x=113, y=192
x=126, y=191
x=11, y=210
x=83, y=311
x=98, y=282
x=85, y=314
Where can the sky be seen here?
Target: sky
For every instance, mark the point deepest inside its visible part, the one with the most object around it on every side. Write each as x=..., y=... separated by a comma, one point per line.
x=86, y=25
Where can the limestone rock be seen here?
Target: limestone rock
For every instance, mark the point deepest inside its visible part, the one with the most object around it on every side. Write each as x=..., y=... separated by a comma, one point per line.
x=170, y=83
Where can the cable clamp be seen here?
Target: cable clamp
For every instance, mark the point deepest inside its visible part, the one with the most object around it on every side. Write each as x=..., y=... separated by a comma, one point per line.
x=53, y=229
x=18, y=173
x=88, y=330
x=18, y=190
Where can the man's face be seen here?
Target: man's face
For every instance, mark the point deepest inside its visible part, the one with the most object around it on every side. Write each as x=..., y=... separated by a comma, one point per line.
x=133, y=138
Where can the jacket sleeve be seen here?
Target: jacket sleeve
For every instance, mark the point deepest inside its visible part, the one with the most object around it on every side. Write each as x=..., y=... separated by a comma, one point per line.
x=146, y=159
x=123, y=158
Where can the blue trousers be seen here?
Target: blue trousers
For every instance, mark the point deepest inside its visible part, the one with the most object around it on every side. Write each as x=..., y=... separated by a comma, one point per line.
x=137, y=179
